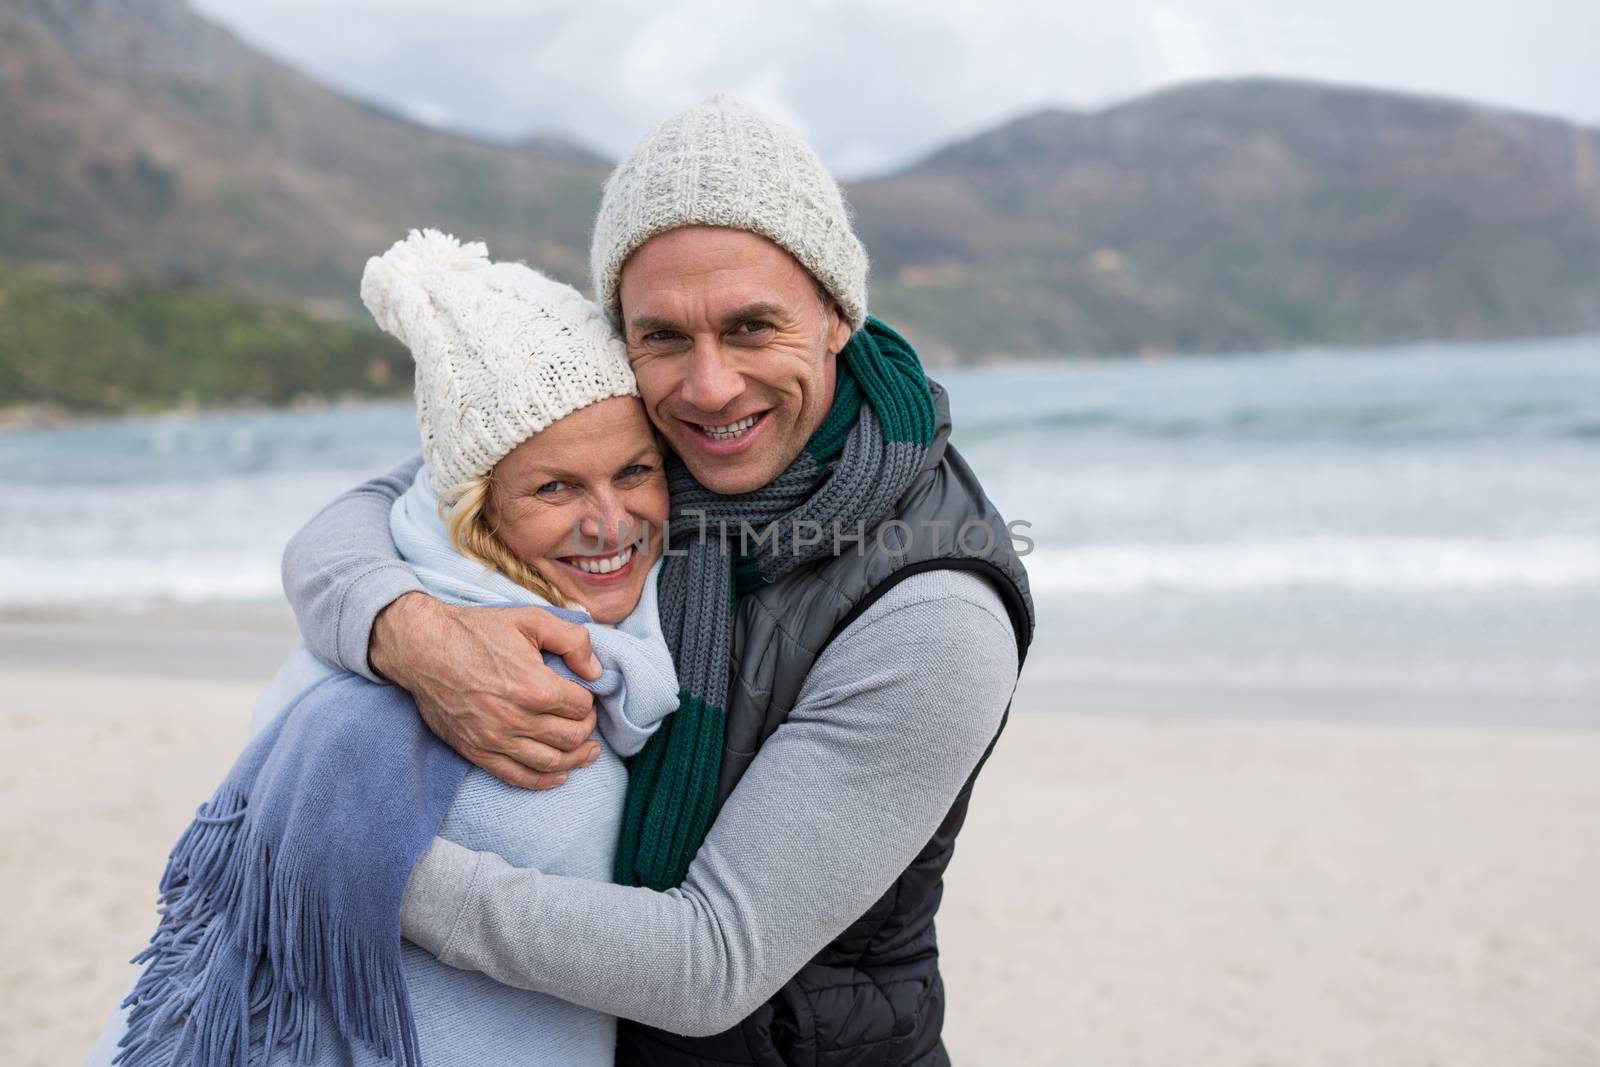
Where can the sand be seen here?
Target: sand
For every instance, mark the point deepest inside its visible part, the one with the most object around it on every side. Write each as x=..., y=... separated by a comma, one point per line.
x=1255, y=894
x=1130, y=890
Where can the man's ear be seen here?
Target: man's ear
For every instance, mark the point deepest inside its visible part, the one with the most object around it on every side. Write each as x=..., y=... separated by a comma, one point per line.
x=839, y=330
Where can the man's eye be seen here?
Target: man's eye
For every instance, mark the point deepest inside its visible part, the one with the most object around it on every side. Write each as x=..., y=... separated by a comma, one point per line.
x=753, y=328
x=660, y=337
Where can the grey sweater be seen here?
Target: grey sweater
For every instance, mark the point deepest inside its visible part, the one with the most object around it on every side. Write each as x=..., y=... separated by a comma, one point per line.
x=890, y=722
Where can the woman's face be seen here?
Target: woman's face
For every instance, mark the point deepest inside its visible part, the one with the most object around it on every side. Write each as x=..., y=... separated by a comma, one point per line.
x=584, y=503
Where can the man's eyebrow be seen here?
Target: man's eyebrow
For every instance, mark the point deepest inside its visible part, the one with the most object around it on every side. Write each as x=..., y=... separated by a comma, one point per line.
x=758, y=310
x=652, y=323
x=761, y=309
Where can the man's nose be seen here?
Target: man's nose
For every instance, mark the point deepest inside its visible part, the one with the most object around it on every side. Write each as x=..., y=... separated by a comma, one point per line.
x=713, y=382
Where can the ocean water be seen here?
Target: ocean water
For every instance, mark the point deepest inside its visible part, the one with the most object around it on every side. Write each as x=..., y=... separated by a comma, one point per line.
x=1401, y=532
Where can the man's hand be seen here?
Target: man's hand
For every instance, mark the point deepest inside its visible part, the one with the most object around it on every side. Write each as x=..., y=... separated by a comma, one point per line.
x=482, y=687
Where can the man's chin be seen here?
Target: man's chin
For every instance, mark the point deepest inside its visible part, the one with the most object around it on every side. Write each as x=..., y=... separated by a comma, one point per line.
x=726, y=475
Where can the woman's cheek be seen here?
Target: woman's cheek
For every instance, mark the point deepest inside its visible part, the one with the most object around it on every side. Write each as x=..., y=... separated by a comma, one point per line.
x=650, y=506
x=546, y=532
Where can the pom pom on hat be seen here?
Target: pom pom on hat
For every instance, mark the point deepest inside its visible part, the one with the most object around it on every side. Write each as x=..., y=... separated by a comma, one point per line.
x=501, y=350
x=401, y=274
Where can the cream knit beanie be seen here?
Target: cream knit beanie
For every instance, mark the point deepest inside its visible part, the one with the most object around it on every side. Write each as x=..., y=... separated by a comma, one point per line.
x=724, y=164
x=501, y=350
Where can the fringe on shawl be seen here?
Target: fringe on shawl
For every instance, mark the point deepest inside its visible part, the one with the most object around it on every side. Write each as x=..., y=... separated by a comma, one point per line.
x=245, y=944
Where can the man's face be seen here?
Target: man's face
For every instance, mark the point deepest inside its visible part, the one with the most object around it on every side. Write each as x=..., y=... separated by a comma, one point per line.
x=734, y=350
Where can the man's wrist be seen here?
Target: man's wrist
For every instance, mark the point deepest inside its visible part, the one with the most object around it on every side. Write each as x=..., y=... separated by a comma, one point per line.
x=391, y=635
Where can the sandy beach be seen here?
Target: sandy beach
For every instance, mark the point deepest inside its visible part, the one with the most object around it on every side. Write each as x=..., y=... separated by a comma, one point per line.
x=1131, y=889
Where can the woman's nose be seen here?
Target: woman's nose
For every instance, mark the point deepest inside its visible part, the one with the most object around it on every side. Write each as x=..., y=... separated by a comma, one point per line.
x=713, y=382
x=608, y=522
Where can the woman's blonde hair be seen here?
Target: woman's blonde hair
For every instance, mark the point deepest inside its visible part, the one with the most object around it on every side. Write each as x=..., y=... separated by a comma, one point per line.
x=465, y=510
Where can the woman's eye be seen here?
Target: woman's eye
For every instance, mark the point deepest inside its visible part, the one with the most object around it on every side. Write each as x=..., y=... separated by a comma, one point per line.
x=550, y=488
x=635, y=470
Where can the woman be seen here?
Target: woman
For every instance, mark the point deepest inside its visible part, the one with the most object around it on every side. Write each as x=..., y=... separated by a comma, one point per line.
x=543, y=485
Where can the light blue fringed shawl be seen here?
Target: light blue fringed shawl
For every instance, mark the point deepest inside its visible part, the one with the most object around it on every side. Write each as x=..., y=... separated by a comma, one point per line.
x=287, y=886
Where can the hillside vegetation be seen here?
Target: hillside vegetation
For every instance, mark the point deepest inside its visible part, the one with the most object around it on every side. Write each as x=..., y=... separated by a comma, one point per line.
x=84, y=348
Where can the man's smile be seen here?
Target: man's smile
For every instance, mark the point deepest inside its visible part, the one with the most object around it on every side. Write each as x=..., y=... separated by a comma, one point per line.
x=727, y=437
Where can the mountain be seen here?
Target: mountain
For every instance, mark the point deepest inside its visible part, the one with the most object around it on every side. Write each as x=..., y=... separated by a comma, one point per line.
x=1243, y=214
x=143, y=148
x=138, y=138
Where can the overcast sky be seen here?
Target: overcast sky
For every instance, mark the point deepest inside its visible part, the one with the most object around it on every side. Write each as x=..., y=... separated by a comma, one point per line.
x=877, y=83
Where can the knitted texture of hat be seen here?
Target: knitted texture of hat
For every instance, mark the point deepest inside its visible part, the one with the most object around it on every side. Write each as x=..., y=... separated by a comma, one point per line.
x=721, y=163
x=501, y=350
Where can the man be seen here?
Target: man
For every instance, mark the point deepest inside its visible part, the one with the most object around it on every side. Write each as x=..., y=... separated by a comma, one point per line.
x=848, y=633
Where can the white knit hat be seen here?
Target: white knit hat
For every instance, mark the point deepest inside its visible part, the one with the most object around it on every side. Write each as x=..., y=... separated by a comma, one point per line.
x=723, y=164
x=501, y=350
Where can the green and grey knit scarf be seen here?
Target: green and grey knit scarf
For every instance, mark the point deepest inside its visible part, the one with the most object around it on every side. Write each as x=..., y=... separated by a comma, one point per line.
x=858, y=463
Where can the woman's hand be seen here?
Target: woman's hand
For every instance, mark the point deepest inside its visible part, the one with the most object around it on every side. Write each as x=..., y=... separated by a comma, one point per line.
x=481, y=684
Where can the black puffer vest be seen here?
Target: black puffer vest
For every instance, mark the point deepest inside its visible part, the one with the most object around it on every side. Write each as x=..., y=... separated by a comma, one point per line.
x=873, y=997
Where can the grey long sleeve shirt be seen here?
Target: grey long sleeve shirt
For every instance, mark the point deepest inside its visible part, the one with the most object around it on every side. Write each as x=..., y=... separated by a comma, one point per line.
x=342, y=568
x=891, y=720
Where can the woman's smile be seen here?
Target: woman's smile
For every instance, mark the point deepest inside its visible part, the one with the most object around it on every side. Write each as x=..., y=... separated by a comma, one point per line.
x=604, y=570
